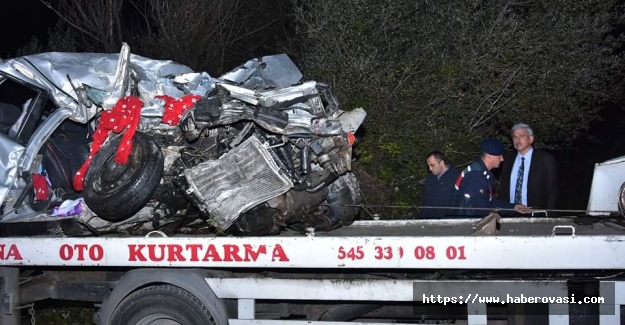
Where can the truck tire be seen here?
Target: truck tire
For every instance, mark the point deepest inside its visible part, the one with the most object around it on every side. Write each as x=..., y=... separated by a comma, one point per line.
x=115, y=192
x=165, y=303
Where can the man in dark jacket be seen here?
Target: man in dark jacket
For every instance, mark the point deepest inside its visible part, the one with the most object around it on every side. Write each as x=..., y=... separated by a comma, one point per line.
x=439, y=188
x=476, y=184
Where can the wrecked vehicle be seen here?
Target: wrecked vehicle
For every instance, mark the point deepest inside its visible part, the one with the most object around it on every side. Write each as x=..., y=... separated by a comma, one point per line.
x=103, y=143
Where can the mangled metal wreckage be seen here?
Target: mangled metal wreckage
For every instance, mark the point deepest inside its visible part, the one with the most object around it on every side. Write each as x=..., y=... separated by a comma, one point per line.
x=98, y=143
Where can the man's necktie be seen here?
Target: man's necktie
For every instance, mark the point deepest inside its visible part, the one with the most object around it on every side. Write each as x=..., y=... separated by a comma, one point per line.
x=519, y=183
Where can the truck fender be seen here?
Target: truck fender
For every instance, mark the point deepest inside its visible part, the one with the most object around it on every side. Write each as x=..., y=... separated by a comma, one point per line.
x=192, y=280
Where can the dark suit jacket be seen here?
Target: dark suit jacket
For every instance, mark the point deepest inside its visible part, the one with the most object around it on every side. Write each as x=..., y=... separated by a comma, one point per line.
x=542, y=188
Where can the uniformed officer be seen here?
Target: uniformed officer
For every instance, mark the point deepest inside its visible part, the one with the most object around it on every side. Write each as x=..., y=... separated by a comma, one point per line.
x=476, y=184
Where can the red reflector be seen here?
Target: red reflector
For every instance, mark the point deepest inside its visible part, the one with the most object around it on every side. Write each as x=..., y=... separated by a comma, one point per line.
x=351, y=138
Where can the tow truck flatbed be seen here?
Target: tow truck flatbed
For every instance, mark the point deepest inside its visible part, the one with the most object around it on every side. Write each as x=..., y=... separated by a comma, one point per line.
x=370, y=265
x=536, y=226
x=520, y=243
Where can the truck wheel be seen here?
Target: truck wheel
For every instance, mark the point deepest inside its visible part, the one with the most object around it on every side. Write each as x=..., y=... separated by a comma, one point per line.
x=115, y=192
x=162, y=304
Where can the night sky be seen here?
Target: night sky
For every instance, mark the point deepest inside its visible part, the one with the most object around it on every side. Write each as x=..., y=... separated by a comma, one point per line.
x=21, y=20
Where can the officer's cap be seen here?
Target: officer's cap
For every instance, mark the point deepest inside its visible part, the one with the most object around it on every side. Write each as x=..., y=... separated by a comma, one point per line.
x=493, y=147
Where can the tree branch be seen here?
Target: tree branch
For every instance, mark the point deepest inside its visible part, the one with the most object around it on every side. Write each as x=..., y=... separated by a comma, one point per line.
x=47, y=4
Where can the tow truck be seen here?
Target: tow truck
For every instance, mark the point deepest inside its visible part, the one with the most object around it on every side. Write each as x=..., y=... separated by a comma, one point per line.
x=533, y=270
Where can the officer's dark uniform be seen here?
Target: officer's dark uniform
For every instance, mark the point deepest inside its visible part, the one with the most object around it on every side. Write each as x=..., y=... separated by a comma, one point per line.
x=476, y=186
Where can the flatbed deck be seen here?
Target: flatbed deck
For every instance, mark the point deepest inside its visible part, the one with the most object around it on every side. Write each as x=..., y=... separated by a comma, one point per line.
x=395, y=261
x=526, y=226
x=519, y=244
x=537, y=226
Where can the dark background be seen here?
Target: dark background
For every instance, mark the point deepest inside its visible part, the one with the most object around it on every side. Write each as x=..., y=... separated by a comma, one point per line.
x=21, y=20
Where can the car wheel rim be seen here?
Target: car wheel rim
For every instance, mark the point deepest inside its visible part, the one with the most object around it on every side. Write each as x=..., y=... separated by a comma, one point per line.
x=158, y=319
x=113, y=175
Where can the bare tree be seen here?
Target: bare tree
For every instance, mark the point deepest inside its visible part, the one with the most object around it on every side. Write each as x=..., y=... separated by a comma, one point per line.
x=211, y=35
x=98, y=21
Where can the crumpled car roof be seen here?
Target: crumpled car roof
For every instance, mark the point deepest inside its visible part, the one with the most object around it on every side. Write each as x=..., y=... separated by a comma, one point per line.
x=50, y=72
x=110, y=74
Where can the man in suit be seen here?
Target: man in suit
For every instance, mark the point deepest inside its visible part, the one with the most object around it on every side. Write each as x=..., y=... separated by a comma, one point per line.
x=439, y=188
x=529, y=176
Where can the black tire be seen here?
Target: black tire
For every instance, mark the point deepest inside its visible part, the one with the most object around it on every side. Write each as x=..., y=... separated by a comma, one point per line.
x=343, y=196
x=162, y=302
x=621, y=199
x=115, y=192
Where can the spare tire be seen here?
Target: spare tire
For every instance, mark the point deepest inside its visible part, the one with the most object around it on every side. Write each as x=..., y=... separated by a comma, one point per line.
x=115, y=192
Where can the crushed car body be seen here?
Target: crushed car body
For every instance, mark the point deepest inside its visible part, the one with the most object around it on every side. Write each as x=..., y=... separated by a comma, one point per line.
x=124, y=143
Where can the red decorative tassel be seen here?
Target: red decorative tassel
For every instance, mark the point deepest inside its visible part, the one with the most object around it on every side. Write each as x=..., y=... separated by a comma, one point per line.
x=40, y=185
x=124, y=116
x=175, y=108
